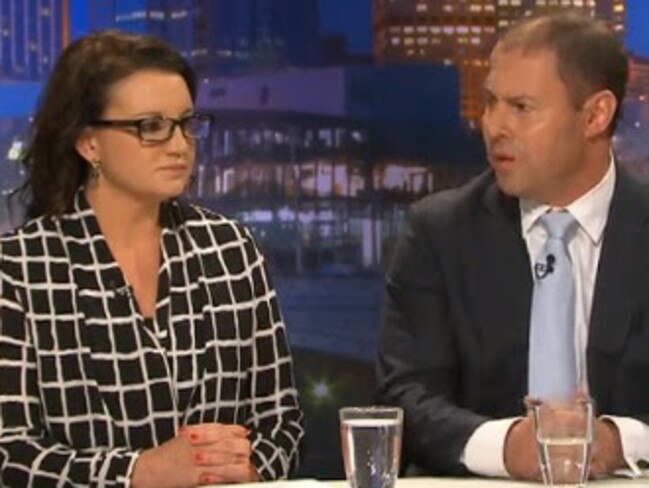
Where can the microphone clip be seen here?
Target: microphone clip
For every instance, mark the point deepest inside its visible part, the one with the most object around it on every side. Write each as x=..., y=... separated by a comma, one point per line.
x=541, y=270
x=119, y=291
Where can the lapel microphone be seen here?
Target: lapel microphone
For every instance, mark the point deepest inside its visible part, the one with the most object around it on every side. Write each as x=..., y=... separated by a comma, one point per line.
x=119, y=291
x=541, y=270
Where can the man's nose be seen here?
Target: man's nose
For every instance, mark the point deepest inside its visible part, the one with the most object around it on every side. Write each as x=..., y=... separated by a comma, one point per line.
x=496, y=122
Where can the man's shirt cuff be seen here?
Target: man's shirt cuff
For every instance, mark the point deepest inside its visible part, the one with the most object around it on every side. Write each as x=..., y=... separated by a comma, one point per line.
x=484, y=451
x=634, y=436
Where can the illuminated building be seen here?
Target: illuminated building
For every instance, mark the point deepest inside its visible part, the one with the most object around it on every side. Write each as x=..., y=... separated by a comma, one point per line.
x=222, y=36
x=462, y=32
x=32, y=34
x=323, y=163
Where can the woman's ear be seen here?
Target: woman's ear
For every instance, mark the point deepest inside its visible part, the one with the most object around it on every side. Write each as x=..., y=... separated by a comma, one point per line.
x=86, y=145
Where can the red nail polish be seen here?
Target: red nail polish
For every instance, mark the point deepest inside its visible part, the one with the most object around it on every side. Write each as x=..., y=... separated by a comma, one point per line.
x=193, y=437
x=200, y=457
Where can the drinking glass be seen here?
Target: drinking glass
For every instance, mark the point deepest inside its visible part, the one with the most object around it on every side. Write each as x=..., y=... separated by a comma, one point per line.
x=564, y=437
x=371, y=444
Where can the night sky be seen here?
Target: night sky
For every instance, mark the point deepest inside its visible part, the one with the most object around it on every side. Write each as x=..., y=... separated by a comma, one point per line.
x=353, y=19
x=638, y=24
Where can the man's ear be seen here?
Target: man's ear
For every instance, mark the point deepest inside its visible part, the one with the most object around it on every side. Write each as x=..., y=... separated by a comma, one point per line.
x=599, y=110
x=86, y=145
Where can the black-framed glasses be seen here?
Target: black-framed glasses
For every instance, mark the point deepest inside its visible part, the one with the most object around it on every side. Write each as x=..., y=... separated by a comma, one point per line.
x=159, y=128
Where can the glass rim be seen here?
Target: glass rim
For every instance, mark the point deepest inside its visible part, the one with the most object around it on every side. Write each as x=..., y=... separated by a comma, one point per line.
x=397, y=412
x=373, y=408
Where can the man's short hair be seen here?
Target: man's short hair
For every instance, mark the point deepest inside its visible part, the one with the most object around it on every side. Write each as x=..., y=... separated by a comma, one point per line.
x=590, y=57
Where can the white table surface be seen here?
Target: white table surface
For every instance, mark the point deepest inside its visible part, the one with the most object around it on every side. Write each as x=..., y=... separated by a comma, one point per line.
x=426, y=482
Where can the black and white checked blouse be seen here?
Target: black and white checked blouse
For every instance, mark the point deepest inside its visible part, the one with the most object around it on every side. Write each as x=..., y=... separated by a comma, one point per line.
x=86, y=382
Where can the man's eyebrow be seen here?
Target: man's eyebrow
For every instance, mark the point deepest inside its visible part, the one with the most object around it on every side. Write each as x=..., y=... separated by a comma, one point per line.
x=519, y=98
x=509, y=98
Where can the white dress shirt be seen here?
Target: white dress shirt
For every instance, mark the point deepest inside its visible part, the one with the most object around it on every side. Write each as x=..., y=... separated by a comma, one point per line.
x=484, y=452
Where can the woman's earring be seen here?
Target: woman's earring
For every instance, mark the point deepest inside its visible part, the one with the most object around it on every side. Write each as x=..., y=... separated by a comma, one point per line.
x=95, y=172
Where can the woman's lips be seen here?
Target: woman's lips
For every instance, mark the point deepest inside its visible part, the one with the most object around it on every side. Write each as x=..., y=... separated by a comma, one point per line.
x=174, y=169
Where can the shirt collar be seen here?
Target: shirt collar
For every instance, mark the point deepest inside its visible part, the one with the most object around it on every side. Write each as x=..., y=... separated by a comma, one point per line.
x=590, y=210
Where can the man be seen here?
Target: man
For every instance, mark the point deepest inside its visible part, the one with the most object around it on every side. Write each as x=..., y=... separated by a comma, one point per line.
x=453, y=348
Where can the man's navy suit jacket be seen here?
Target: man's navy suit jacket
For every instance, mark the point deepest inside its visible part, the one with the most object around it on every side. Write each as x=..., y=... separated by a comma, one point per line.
x=453, y=345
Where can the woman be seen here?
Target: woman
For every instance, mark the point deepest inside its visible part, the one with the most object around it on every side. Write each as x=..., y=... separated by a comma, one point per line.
x=141, y=342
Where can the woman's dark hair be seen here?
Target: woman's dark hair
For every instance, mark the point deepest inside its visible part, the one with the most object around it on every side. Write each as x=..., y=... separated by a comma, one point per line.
x=589, y=55
x=75, y=95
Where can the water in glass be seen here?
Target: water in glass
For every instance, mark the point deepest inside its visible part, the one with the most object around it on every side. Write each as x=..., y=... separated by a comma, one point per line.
x=371, y=451
x=564, y=434
x=565, y=461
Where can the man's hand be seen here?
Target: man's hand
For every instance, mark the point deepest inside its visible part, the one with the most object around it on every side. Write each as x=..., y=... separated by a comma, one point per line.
x=607, y=449
x=521, y=458
x=199, y=455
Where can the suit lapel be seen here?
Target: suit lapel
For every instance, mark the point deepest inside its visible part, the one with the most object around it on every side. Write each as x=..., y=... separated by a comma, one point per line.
x=505, y=295
x=507, y=258
x=618, y=276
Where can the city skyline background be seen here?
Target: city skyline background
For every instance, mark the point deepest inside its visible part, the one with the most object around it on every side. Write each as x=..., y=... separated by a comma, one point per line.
x=352, y=19
x=329, y=123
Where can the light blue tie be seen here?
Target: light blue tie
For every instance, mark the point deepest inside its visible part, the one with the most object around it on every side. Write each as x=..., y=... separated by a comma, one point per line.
x=552, y=361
